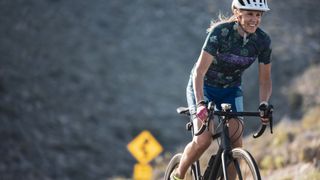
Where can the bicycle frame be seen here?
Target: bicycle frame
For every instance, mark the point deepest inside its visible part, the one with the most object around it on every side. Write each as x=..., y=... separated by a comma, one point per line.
x=223, y=155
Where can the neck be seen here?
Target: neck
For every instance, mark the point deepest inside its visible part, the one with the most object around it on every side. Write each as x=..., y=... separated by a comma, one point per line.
x=241, y=31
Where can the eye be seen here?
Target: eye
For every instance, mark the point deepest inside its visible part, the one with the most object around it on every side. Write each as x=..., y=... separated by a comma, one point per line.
x=258, y=14
x=250, y=13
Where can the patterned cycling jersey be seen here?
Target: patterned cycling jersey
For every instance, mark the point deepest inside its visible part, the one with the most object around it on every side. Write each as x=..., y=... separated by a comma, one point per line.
x=232, y=54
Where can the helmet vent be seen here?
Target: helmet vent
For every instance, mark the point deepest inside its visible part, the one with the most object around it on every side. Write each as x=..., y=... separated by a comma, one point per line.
x=242, y=3
x=258, y=5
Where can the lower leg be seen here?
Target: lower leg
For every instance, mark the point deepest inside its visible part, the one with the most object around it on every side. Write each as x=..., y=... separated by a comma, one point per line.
x=192, y=152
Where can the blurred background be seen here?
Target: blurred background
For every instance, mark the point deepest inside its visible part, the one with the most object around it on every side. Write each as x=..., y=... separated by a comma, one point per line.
x=80, y=79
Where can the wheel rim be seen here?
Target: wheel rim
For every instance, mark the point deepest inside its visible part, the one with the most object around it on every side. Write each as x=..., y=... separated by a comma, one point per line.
x=244, y=165
x=241, y=166
x=244, y=171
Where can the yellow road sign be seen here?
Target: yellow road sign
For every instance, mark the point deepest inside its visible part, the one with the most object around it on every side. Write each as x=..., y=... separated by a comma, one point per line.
x=142, y=172
x=144, y=147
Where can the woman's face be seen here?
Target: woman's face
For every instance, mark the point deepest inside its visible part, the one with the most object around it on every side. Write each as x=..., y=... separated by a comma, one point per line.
x=249, y=20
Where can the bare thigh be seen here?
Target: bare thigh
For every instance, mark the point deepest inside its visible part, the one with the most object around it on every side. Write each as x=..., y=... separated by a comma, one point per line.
x=205, y=138
x=236, y=132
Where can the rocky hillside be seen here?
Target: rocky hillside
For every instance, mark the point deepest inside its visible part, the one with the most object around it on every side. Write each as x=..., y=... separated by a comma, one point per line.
x=80, y=79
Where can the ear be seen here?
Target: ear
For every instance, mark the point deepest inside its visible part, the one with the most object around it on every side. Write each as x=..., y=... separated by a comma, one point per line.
x=237, y=13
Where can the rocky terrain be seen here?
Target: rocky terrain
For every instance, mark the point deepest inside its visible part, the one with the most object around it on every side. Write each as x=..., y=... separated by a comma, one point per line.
x=80, y=79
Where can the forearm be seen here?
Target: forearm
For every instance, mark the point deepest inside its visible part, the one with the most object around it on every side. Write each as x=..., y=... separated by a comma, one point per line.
x=265, y=90
x=265, y=82
x=198, y=86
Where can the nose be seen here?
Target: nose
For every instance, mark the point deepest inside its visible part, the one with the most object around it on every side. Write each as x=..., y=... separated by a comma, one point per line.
x=255, y=18
x=258, y=16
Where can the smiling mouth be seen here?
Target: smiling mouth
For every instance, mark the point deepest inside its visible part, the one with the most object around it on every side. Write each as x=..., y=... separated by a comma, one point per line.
x=252, y=25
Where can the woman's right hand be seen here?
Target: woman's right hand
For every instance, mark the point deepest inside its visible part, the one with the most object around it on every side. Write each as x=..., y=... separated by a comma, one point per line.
x=202, y=113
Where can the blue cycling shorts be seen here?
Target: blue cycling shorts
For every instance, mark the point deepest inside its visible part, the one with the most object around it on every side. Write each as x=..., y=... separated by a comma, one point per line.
x=231, y=95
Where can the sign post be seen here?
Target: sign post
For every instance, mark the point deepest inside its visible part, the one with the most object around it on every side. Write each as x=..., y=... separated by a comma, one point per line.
x=144, y=148
x=142, y=172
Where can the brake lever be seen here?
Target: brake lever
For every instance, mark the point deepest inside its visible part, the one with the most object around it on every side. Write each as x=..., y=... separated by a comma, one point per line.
x=271, y=118
x=271, y=124
x=263, y=127
x=202, y=128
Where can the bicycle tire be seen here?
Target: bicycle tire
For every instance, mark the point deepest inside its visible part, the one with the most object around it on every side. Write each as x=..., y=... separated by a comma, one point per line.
x=246, y=160
x=173, y=164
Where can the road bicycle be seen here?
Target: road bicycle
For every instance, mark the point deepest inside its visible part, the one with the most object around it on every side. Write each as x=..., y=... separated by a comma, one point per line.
x=238, y=158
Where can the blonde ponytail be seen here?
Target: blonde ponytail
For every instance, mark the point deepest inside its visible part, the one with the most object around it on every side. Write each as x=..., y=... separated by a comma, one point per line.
x=221, y=19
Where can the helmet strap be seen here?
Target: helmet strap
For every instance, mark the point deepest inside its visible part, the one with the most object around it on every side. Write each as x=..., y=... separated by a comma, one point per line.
x=245, y=40
x=245, y=34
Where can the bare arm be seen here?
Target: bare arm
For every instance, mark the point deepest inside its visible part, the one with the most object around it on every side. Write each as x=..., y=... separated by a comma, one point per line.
x=204, y=61
x=265, y=82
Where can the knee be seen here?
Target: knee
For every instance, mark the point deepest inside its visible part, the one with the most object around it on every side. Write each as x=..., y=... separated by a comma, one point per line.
x=235, y=132
x=237, y=143
x=202, y=143
x=236, y=140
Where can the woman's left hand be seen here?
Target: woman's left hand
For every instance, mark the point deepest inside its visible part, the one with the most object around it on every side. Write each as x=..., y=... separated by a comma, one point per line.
x=263, y=108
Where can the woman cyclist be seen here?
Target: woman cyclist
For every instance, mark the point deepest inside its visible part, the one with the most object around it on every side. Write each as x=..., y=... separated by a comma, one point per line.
x=231, y=47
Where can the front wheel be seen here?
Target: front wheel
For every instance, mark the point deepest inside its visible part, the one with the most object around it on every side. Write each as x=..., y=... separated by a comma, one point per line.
x=242, y=166
x=173, y=165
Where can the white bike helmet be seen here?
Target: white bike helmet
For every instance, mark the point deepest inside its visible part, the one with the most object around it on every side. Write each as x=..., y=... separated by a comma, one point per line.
x=257, y=5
